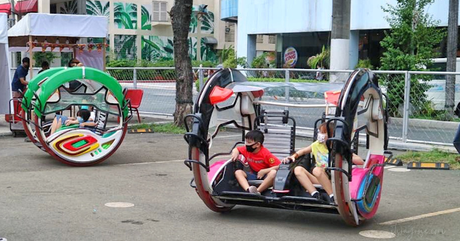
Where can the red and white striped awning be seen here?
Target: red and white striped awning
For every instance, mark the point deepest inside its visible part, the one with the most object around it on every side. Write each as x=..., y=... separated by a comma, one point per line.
x=26, y=6
x=5, y=8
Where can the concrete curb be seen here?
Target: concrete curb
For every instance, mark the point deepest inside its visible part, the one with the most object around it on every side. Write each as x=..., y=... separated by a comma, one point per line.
x=421, y=123
x=5, y=133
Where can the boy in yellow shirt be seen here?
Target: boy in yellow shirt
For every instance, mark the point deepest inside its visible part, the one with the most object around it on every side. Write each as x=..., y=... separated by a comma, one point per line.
x=318, y=173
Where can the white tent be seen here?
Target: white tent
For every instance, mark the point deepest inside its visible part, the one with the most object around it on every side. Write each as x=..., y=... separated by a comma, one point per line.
x=60, y=28
x=5, y=82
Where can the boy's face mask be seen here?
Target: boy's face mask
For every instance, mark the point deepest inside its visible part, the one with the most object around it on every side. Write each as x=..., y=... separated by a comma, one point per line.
x=322, y=137
x=250, y=147
x=80, y=119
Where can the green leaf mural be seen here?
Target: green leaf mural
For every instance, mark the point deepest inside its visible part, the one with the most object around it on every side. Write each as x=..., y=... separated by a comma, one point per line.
x=193, y=24
x=155, y=48
x=192, y=43
x=125, y=15
x=125, y=46
x=68, y=8
x=206, y=17
x=146, y=23
x=207, y=23
x=97, y=8
x=208, y=53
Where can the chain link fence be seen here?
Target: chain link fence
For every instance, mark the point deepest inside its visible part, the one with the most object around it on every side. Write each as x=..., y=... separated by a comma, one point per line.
x=417, y=100
x=159, y=85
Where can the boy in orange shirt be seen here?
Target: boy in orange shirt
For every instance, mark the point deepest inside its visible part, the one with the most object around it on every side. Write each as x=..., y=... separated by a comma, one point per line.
x=262, y=162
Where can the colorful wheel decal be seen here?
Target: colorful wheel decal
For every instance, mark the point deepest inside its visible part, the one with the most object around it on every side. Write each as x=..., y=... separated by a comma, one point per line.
x=373, y=191
x=76, y=145
x=107, y=144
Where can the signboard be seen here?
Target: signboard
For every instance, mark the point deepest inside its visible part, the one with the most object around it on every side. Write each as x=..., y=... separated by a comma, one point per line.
x=290, y=56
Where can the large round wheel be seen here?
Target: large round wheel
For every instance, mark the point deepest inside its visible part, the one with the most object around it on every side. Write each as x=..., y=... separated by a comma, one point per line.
x=202, y=185
x=360, y=97
x=76, y=146
x=340, y=185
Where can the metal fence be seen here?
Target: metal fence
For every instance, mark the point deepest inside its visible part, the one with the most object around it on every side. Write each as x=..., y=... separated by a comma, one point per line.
x=417, y=99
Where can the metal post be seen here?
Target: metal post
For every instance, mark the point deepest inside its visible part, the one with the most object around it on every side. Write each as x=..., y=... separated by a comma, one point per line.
x=135, y=78
x=286, y=89
x=405, y=126
x=200, y=76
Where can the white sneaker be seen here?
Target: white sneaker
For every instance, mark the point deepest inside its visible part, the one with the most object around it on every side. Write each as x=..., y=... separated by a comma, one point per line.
x=253, y=189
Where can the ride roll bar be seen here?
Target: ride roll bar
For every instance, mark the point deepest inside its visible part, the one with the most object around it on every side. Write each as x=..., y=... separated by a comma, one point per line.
x=226, y=153
x=195, y=139
x=341, y=143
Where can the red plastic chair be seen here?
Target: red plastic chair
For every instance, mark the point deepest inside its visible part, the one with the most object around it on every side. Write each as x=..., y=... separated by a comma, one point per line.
x=135, y=97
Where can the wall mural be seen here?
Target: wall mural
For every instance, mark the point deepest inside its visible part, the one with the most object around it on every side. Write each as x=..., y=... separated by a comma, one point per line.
x=125, y=15
x=98, y=8
x=67, y=7
x=153, y=47
x=207, y=21
x=145, y=15
x=157, y=47
x=208, y=53
x=125, y=46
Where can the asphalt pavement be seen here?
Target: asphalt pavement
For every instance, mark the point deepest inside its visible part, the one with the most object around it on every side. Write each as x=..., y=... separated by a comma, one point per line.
x=43, y=199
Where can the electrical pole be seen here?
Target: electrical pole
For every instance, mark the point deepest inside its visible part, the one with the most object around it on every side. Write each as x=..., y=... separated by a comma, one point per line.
x=452, y=32
x=340, y=36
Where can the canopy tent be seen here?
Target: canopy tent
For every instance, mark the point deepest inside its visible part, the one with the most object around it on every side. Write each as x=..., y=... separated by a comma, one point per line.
x=5, y=8
x=5, y=86
x=26, y=6
x=60, y=32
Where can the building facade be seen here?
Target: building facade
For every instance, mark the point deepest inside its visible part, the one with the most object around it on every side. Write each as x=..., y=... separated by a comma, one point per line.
x=306, y=25
x=141, y=29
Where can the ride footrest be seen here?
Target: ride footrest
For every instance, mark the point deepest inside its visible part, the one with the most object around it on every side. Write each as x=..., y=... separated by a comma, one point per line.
x=241, y=194
x=304, y=200
x=39, y=145
x=281, y=179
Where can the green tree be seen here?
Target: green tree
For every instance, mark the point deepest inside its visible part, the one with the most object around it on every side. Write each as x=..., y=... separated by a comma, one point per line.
x=232, y=61
x=409, y=45
x=321, y=60
x=260, y=61
x=39, y=57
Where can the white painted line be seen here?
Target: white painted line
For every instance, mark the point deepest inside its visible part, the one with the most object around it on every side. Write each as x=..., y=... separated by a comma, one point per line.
x=388, y=167
x=378, y=234
x=119, y=205
x=401, y=169
x=403, y=220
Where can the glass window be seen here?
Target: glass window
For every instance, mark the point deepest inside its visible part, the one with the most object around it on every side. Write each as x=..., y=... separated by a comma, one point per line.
x=159, y=13
x=260, y=38
x=272, y=39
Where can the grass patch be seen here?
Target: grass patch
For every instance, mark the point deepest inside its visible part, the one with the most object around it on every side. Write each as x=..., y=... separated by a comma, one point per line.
x=160, y=128
x=435, y=155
